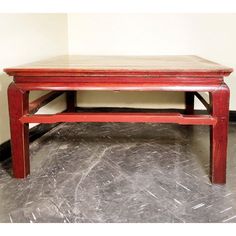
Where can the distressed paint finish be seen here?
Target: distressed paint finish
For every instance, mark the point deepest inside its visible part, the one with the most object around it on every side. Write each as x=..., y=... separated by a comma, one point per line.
x=219, y=133
x=122, y=65
x=18, y=106
x=159, y=73
x=121, y=117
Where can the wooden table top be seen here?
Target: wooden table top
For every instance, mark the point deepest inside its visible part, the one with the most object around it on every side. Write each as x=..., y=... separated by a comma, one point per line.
x=121, y=65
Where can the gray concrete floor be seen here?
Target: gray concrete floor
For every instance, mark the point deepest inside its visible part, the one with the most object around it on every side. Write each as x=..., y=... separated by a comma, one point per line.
x=120, y=172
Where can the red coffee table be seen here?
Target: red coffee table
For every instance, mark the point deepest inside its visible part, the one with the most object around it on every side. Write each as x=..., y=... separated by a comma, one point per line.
x=190, y=74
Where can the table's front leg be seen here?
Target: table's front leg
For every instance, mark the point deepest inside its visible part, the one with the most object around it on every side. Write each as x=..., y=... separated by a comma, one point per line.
x=18, y=106
x=219, y=133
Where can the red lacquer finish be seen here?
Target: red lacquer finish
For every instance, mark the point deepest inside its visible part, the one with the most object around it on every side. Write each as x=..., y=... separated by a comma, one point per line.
x=121, y=117
x=18, y=106
x=189, y=74
x=219, y=133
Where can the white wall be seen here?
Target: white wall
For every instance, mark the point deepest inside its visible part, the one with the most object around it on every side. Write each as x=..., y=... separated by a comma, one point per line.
x=26, y=38
x=208, y=35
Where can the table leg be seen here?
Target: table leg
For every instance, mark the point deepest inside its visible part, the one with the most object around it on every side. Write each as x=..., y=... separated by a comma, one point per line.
x=18, y=106
x=219, y=133
x=189, y=103
x=71, y=101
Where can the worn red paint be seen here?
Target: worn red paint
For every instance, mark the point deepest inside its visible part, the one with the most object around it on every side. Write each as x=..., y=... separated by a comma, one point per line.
x=164, y=73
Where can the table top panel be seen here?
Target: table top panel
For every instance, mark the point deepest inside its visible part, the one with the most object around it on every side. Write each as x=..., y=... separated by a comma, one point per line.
x=101, y=65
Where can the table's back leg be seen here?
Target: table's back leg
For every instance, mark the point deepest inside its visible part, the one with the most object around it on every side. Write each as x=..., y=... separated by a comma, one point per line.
x=219, y=134
x=71, y=101
x=18, y=106
x=189, y=103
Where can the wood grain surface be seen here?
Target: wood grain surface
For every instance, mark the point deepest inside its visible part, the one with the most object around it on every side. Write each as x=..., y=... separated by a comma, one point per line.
x=121, y=65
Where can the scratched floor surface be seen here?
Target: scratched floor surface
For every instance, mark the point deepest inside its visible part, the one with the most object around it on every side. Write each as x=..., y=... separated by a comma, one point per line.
x=112, y=172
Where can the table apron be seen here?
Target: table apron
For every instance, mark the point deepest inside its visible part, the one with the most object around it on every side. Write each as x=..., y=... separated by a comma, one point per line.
x=118, y=87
